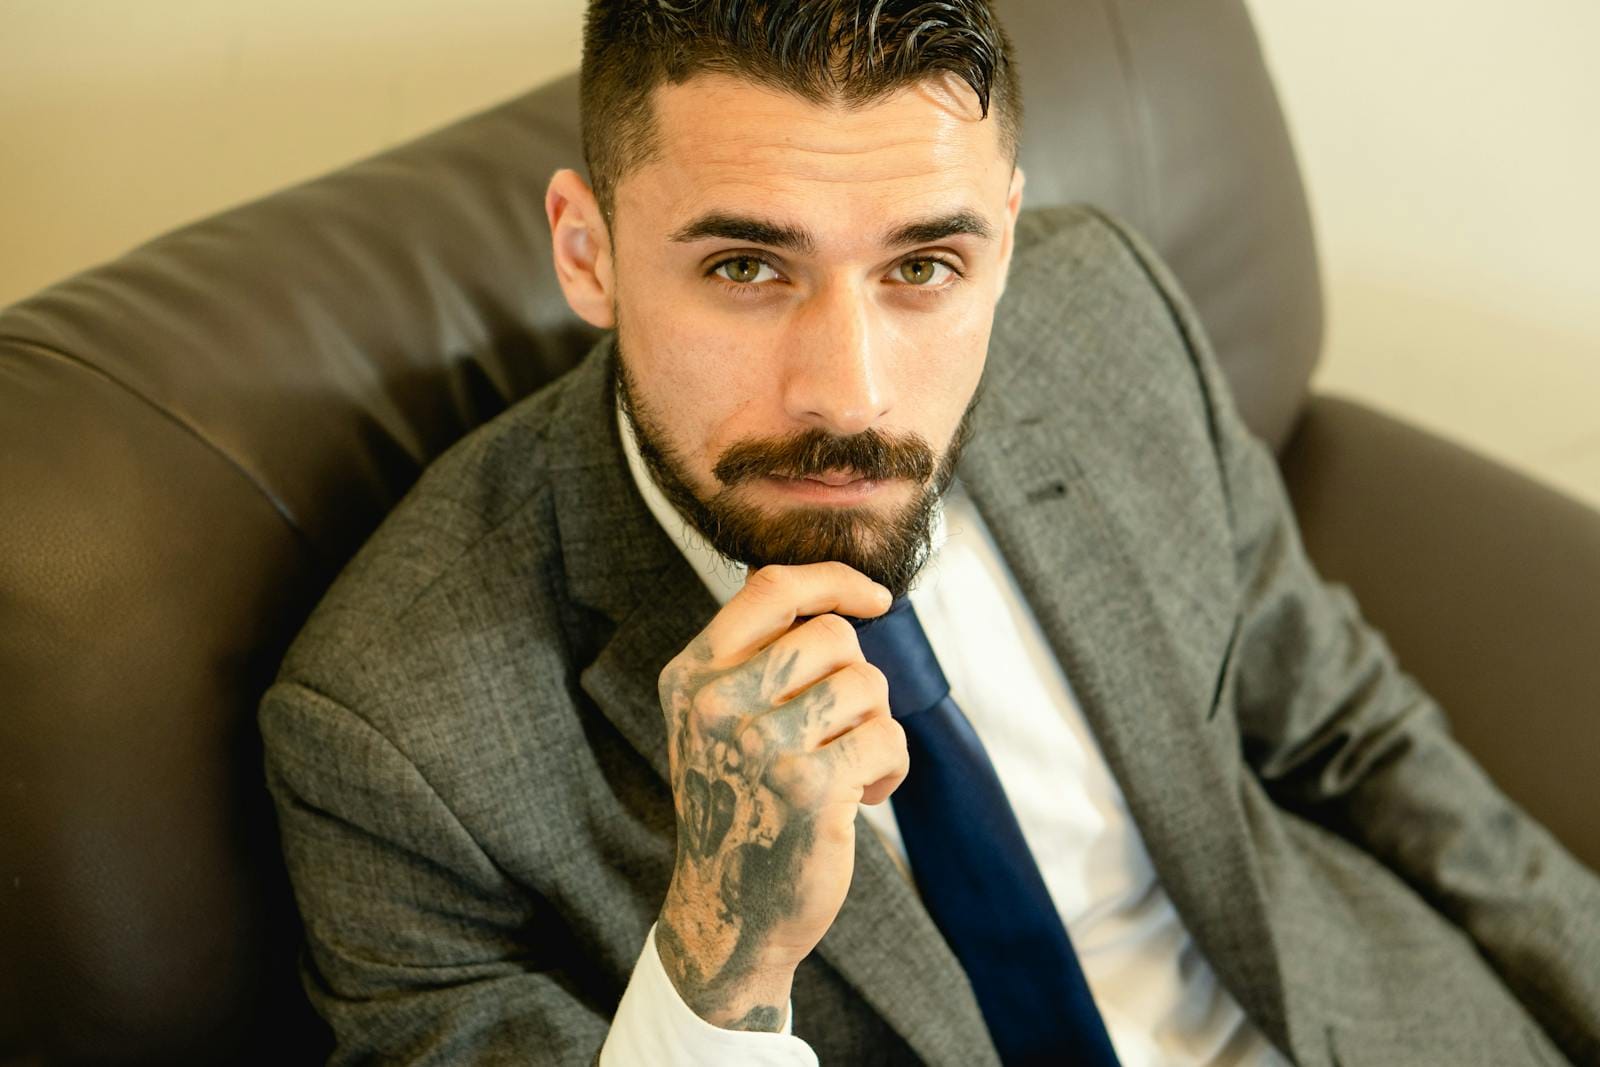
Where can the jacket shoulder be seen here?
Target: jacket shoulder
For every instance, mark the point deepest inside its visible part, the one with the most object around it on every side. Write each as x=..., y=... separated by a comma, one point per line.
x=476, y=523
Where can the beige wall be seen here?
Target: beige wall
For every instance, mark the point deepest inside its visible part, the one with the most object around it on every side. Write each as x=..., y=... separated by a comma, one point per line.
x=119, y=119
x=1451, y=154
x=1447, y=144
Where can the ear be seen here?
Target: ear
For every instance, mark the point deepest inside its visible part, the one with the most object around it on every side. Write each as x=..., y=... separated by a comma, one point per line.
x=1013, y=208
x=581, y=245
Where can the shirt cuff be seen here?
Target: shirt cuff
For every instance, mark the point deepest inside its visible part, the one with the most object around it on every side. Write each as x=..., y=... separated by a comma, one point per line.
x=653, y=1026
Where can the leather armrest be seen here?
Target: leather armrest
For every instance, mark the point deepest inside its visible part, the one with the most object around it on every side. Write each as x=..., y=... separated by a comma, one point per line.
x=1485, y=582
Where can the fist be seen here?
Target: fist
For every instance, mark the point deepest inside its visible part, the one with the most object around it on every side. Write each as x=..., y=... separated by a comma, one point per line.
x=777, y=728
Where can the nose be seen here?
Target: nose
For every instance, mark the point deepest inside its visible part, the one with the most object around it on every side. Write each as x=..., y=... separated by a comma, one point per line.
x=837, y=377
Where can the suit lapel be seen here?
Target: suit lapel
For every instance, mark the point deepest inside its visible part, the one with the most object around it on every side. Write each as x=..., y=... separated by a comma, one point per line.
x=1138, y=632
x=1065, y=557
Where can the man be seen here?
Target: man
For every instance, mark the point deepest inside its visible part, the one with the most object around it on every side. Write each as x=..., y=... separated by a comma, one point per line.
x=583, y=755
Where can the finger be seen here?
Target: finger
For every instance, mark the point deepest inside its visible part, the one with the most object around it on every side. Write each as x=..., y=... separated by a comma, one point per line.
x=872, y=756
x=834, y=706
x=774, y=597
x=843, y=769
x=883, y=788
x=795, y=662
x=802, y=657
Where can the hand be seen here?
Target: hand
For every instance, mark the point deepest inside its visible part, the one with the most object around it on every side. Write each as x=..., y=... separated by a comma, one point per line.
x=775, y=733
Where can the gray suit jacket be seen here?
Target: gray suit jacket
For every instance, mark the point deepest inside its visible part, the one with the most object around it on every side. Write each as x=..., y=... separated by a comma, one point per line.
x=468, y=756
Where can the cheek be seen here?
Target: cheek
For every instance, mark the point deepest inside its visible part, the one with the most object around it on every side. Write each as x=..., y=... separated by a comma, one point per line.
x=939, y=373
x=708, y=374
x=695, y=382
x=686, y=351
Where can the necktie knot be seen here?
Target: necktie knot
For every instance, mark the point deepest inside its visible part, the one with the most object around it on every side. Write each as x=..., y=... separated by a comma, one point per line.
x=895, y=643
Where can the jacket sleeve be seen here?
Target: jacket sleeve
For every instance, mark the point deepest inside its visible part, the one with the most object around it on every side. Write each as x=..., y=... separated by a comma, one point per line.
x=1336, y=730
x=416, y=944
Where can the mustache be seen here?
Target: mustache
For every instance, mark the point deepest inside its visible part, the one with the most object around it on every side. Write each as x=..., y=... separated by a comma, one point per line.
x=870, y=454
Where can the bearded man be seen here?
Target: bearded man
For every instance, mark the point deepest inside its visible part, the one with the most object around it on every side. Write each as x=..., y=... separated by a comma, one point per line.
x=880, y=489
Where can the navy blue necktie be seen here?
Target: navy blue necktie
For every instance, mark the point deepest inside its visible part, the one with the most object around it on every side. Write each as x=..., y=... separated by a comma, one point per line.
x=973, y=868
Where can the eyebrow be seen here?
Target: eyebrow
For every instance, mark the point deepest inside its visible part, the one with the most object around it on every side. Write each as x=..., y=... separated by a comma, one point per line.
x=718, y=224
x=962, y=222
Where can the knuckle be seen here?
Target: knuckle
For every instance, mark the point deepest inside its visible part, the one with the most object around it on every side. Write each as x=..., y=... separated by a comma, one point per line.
x=667, y=681
x=705, y=708
x=888, y=730
x=798, y=780
x=897, y=732
x=846, y=753
x=836, y=627
x=876, y=682
x=755, y=742
x=838, y=570
x=767, y=581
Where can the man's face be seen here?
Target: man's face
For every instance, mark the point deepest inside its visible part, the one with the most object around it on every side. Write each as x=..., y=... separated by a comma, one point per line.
x=803, y=298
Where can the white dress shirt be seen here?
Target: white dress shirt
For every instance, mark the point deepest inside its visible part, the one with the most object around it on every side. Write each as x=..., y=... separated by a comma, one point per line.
x=1161, y=1002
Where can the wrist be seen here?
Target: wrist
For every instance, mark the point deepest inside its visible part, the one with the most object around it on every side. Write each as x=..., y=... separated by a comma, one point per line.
x=723, y=993
x=757, y=1004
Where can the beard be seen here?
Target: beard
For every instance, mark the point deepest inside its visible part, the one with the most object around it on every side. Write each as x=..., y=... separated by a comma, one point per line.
x=891, y=548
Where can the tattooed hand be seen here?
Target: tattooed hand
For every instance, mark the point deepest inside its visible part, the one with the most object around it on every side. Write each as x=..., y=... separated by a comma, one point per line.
x=775, y=732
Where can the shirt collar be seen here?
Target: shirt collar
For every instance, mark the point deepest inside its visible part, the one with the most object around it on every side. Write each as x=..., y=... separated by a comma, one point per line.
x=722, y=576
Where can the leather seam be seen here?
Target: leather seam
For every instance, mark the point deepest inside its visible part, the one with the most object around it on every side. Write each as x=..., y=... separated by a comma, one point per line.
x=1139, y=104
x=193, y=431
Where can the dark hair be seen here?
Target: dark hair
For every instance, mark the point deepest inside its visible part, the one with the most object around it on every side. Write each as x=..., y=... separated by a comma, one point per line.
x=848, y=53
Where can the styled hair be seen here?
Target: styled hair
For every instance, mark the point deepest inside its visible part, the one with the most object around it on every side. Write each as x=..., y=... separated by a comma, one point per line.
x=843, y=53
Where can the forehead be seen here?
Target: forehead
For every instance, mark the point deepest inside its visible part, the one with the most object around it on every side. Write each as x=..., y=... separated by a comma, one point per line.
x=732, y=145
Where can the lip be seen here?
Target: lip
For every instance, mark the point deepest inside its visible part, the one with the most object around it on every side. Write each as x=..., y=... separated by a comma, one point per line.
x=818, y=491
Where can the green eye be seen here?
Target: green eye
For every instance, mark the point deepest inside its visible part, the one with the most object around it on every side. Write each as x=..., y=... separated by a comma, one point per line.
x=919, y=271
x=743, y=269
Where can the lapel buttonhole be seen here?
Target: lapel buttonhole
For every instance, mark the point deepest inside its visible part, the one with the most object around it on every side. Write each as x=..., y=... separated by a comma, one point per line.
x=1222, y=671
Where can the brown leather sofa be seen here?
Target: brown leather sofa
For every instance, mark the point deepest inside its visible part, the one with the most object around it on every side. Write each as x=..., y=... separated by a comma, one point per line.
x=195, y=437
